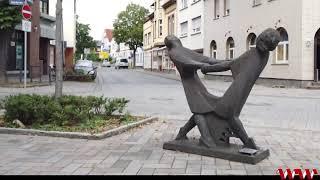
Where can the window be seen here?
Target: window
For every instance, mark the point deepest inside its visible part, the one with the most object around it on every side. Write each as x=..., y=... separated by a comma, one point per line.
x=160, y=27
x=256, y=2
x=230, y=48
x=251, y=41
x=44, y=6
x=213, y=49
x=171, y=27
x=145, y=39
x=184, y=4
x=149, y=38
x=216, y=9
x=226, y=7
x=184, y=29
x=282, y=50
x=195, y=1
x=124, y=60
x=155, y=30
x=196, y=25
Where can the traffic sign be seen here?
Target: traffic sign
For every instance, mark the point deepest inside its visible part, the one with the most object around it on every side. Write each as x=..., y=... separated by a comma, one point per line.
x=26, y=26
x=26, y=12
x=19, y=2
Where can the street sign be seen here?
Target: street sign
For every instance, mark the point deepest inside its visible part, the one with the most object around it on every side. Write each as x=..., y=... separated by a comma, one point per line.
x=86, y=51
x=19, y=2
x=26, y=12
x=26, y=26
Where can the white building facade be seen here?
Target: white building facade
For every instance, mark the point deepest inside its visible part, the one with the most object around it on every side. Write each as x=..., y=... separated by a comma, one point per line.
x=191, y=23
x=231, y=28
x=69, y=20
x=69, y=27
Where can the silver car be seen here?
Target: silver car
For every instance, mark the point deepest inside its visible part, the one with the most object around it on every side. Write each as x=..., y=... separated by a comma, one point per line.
x=86, y=67
x=106, y=63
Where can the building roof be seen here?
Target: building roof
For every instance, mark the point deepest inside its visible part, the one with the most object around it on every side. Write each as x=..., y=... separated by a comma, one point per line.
x=108, y=34
x=169, y=3
x=149, y=17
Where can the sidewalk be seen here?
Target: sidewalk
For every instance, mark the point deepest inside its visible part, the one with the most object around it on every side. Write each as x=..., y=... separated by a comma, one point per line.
x=140, y=152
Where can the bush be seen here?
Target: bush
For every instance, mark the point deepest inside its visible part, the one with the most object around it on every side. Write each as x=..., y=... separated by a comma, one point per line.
x=115, y=105
x=29, y=108
x=67, y=110
x=127, y=118
x=93, y=57
x=79, y=75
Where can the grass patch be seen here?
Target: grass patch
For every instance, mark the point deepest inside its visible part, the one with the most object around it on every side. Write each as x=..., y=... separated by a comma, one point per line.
x=95, y=125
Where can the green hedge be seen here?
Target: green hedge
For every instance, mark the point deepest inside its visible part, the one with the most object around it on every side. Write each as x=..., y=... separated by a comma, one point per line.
x=78, y=75
x=67, y=110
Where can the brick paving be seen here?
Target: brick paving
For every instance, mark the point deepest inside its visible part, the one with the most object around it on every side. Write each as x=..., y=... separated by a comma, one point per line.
x=139, y=152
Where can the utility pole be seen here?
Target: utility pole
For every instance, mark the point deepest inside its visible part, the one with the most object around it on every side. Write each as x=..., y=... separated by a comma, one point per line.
x=59, y=50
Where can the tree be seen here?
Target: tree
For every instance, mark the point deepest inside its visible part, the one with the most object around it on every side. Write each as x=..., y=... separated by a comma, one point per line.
x=10, y=16
x=128, y=27
x=84, y=40
x=59, y=50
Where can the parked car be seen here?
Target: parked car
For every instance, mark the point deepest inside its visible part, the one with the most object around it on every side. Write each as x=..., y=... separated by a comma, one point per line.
x=122, y=63
x=106, y=63
x=86, y=67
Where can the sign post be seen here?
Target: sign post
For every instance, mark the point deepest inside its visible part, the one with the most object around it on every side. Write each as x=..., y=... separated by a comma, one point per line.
x=26, y=27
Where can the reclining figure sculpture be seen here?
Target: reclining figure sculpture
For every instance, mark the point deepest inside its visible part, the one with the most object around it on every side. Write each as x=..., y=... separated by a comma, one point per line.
x=217, y=118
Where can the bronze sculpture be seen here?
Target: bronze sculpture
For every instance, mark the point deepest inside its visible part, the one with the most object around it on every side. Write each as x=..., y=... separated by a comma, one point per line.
x=217, y=118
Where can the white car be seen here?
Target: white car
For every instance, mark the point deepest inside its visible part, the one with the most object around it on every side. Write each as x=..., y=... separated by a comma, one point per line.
x=106, y=63
x=122, y=63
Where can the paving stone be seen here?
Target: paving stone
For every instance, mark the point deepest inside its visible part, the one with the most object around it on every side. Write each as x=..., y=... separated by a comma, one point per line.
x=71, y=168
x=121, y=164
x=145, y=171
x=157, y=166
x=82, y=171
x=208, y=172
x=170, y=171
x=231, y=172
x=179, y=164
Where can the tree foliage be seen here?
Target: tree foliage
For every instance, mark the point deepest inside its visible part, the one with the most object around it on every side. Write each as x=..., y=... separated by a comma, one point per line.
x=10, y=16
x=128, y=27
x=84, y=40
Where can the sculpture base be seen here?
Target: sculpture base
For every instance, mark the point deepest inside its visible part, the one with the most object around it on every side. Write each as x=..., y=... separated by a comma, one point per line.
x=231, y=152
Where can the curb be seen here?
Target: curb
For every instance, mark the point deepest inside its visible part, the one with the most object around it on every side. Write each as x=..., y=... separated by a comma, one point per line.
x=21, y=86
x=167, y=76
x=75, y=135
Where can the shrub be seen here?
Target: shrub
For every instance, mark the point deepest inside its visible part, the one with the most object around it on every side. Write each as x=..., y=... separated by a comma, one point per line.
x=67, y=110
x=127, y=118
x=93, y=57
x=29, y=108
x=115, y=105
x=78, y=76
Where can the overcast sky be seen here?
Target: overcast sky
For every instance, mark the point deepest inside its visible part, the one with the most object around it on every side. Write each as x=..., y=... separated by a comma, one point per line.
x=100, y=14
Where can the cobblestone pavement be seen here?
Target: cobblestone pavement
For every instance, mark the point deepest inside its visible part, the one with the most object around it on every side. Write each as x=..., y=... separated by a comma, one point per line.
x=139, y=152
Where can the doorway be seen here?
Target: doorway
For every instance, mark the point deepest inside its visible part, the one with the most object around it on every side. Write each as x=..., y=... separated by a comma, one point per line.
x=317, y=56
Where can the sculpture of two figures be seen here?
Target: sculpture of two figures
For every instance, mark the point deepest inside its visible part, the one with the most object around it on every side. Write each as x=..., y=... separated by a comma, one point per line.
x=217, y=118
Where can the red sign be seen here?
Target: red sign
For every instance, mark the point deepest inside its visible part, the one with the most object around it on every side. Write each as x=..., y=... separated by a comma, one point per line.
x=26, y=12
x=289, y=174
